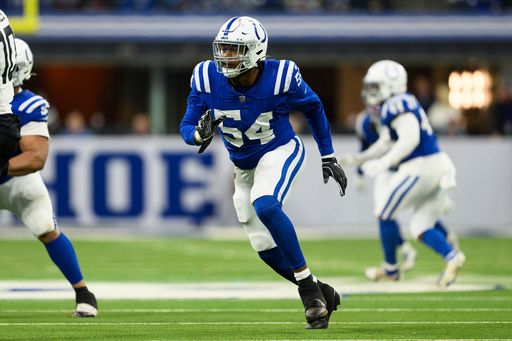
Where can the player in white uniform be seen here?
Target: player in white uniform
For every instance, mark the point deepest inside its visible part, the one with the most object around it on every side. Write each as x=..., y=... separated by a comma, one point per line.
x=248, y=97
x=9, y=123
x=424, y=174
x=367, y=131
x=22, y=190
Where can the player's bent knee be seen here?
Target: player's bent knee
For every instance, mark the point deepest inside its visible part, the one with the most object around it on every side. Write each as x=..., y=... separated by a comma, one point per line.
x=418, y=230
x=262, y=242
x=266, y=207
x=40, y=230
x=48, y=237
x=40, y=224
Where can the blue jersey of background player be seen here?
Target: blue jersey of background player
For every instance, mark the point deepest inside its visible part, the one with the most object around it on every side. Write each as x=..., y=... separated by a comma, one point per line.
x=22, y=190
x=423, y=177
x=407, y=103
x=248, y=98
x=367, y=126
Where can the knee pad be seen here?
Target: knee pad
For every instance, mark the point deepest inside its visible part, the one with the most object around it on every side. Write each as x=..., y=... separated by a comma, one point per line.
x=262, y=241
x=40, y=222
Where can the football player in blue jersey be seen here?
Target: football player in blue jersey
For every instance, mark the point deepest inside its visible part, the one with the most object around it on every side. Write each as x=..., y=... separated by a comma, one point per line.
x=248, y=97
x=423, y=175
x=22, y=190
x=367, y=131
x=9, y=123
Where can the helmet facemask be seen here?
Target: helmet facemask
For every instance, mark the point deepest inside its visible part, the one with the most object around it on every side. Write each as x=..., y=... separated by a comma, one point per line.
x=232, y=58
x=372, y=94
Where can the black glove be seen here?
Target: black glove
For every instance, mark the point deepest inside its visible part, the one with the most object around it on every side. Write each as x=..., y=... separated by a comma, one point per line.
x=331, y=168
x=206, y=128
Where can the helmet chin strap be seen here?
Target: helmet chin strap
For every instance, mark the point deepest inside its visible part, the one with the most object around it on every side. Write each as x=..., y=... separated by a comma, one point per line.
x=229, y=74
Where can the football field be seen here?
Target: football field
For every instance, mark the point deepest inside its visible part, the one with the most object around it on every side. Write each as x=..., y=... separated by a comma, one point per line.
x=191, y=289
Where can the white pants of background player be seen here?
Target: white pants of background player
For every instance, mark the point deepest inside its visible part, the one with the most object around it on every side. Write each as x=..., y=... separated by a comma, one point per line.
x=27, y=197
x=422, y=184
x=274, y=175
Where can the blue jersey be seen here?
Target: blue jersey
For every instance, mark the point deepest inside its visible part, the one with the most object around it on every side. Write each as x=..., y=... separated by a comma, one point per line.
x=366, y=130
x=29, y=107
x=407, y=103
x=255, y=118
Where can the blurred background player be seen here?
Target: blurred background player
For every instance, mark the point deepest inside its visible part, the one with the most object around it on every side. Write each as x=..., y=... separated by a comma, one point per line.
x=367, y=131
x=249, y=97
x=9, y=123
x=423, y=177
x=22, y=190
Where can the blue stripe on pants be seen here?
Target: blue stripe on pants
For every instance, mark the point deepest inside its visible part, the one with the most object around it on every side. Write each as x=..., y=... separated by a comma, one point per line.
x=294, y=173
x=402, y=196
x=392, y=195
x=284, y=171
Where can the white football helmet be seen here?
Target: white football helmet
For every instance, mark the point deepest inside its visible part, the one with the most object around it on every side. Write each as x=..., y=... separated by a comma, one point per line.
x=383, y=80
x=24, y=63
x=240, y=44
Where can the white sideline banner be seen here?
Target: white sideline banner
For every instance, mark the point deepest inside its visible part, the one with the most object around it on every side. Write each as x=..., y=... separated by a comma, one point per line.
x=161, y=184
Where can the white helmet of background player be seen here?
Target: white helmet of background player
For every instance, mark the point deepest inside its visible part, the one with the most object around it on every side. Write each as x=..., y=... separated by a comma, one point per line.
x=383, y=80
x=24, y=63
x=240, y=44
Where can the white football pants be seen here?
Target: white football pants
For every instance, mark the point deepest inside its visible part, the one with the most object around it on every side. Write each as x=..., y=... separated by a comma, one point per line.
x=421, y=183
x=27, y=197
x=274, y=175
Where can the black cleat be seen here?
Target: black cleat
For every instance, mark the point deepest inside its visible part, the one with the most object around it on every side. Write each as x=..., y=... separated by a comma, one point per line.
x=314, y=304
x=332, y=299
x=86, y=305
x=321, y=323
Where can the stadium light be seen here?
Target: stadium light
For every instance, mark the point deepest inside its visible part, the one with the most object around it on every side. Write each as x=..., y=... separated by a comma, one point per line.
x=470, y=89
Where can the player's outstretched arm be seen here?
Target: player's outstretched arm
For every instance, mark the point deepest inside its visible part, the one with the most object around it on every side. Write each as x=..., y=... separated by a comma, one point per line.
x=376, y=150
x=408, y=130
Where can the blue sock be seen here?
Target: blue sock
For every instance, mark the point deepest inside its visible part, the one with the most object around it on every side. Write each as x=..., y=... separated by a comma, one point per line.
x=440, y=227
x=400, y=239
x=274, y=258
x=389, y=237
x=436, y=241
x=281, y=228
x=63, y=255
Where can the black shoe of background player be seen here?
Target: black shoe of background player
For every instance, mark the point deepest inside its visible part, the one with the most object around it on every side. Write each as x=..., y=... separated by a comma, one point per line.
x=314, y=304
x=86, y=305
x=332, y=299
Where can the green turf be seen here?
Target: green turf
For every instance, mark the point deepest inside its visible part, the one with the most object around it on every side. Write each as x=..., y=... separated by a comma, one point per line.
x=391, y=316
x=185, y=260
x=439, y=315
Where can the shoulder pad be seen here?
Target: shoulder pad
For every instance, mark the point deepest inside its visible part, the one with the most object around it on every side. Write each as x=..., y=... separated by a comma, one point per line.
x=400, y=104
x=285, y=70
x=200, y=80
x=33, y=108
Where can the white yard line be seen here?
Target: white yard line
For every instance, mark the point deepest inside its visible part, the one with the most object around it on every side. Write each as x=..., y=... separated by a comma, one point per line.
x=247, y=310
x=220, y=323
x=231, y=290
